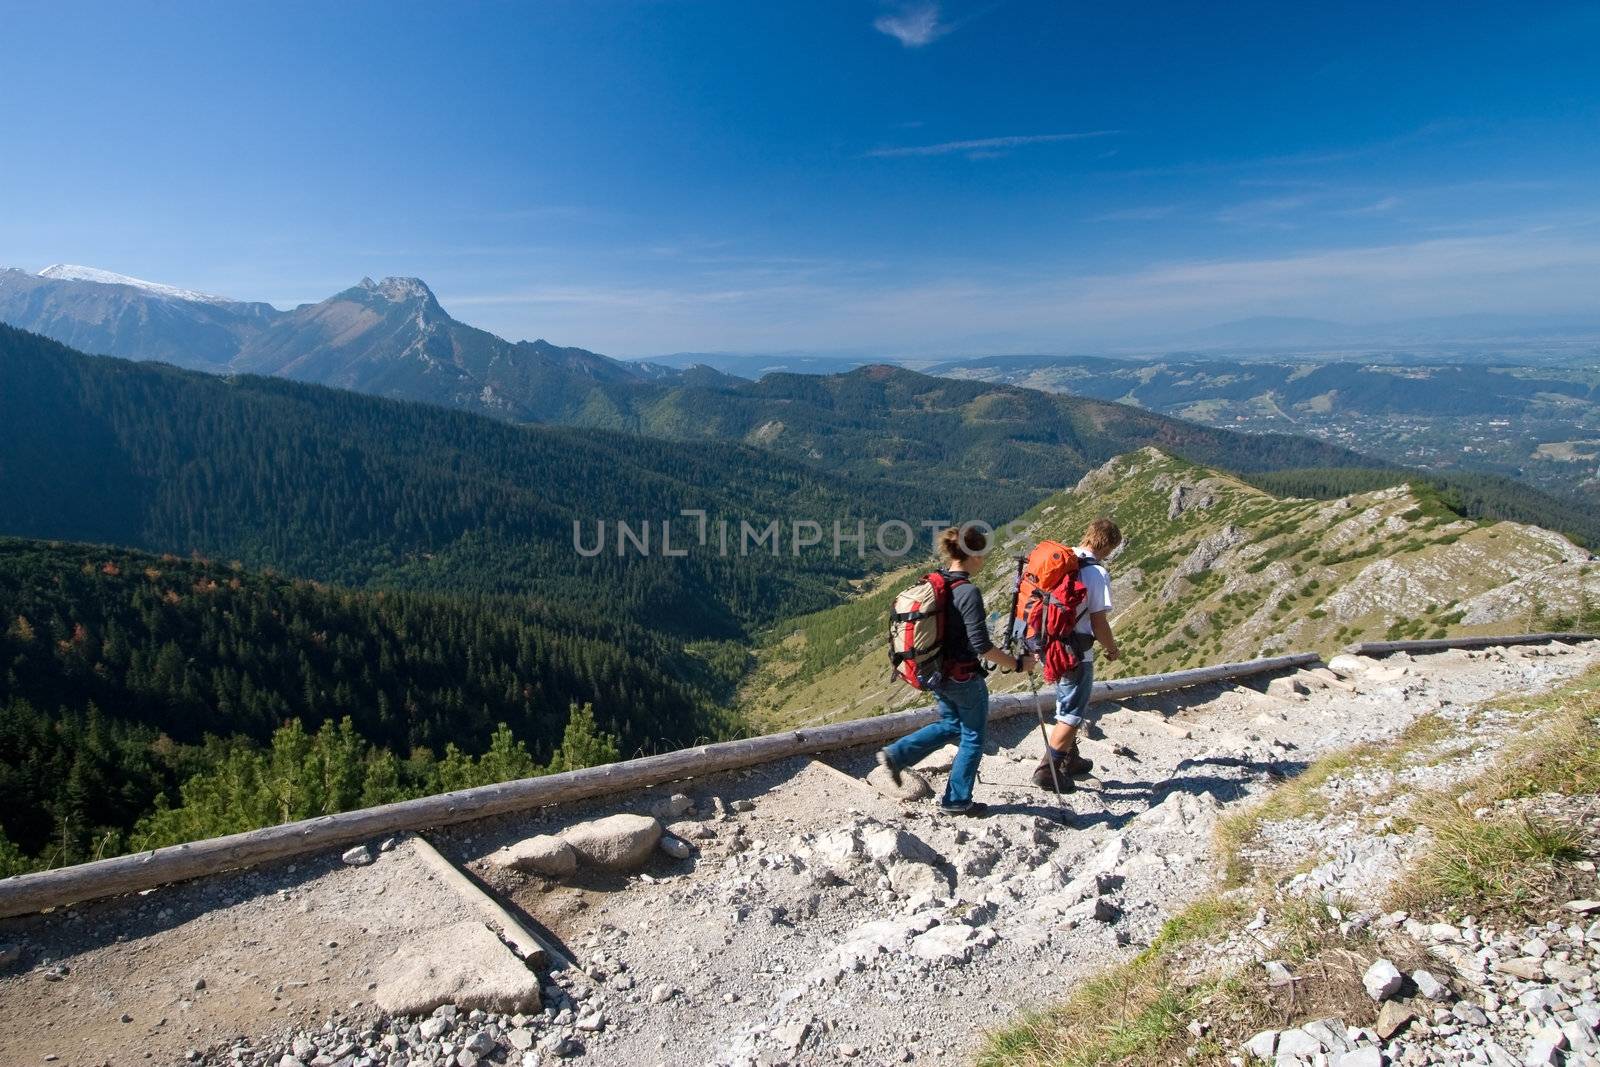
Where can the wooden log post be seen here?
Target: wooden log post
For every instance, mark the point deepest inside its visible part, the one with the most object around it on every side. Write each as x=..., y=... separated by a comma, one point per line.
x=26, y=893
x=1440, y=644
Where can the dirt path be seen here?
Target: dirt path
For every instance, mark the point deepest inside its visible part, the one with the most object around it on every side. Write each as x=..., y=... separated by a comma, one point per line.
x=818, y=920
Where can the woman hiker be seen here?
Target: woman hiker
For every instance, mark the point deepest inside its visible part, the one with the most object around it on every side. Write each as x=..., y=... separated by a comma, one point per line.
x=963, y=696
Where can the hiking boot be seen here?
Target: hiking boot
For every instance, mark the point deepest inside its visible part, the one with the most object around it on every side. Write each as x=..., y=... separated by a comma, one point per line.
x=888, y=765
x=1078, y=766
x=973, y=808
x=1044, y=779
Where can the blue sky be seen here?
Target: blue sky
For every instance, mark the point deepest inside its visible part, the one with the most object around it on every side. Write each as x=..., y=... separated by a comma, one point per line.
x=649, y=177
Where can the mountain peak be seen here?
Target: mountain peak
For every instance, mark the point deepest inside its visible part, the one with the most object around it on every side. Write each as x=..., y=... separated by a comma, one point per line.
x=399, y=290
x=72, y=272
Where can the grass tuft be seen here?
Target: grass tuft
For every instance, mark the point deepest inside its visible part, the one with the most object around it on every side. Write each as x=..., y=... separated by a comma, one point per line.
x=1505, y=864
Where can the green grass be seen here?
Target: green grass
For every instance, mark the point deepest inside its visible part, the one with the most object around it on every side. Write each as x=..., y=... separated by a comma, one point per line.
x=1504, y=864
x=1512, y=860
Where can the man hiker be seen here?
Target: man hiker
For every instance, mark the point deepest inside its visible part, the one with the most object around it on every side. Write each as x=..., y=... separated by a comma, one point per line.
x=961, y=692
x=1075, y=686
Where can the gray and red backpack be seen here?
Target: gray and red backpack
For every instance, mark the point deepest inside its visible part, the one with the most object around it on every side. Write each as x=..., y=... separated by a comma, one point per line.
x=917, y=625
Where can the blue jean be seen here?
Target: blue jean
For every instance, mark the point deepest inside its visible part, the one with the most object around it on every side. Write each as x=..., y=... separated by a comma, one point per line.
x=1072, y=694
x=964, y=718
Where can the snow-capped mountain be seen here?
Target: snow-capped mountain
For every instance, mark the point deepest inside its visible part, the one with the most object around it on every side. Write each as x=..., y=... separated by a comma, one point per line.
x=112, y=314
x=73, y=273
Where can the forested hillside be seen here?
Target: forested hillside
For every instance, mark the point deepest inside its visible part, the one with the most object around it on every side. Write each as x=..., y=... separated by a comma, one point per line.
x=990, y=447
x=116, y=667
x=345, y=488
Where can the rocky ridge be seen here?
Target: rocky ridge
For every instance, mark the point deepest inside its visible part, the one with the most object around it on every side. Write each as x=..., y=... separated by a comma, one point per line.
x=1215, y=570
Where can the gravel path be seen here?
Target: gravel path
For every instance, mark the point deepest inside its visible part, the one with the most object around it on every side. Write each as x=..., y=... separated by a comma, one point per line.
x=816, y=921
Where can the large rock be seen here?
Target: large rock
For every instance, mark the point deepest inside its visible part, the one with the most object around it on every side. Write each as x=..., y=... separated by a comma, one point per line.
x=951, y=944
x=615, y=843
x=463, y=964
x=544, y=854
x=1344, y=663
x=1382, y=980
x=1287, y=688
x=912, y=785
x=886, y=845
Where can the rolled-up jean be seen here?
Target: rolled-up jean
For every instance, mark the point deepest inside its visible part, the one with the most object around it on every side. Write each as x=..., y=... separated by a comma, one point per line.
x=963, y=718
x=1072, y=694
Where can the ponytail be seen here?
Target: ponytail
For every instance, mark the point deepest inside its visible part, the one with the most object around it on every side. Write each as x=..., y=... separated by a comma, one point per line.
x=956, y=543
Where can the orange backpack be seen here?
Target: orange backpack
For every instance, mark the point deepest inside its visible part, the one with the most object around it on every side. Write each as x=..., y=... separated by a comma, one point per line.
x=1050, y=599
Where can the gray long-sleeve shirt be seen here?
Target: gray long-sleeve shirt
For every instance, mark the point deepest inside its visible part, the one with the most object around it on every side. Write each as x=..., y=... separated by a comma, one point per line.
x=966, y=631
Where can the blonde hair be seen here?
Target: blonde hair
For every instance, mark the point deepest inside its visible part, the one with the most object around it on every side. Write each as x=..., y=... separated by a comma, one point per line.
x=956, y=543
x=1102, y=537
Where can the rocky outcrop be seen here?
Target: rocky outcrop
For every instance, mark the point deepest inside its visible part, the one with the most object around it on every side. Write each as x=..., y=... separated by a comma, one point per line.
x=1202, y=558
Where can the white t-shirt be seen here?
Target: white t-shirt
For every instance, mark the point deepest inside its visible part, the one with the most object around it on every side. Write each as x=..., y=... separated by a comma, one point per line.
x=1097, y=581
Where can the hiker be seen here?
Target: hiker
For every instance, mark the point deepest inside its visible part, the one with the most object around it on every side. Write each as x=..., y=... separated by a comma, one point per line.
x=1074, y=686
x=957, y=682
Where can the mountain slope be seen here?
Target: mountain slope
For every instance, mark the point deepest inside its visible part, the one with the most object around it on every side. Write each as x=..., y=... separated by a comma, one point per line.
x=116, y=666
x=1215, y=570
x=391, y=338
x=341, y=487
x=96, y=311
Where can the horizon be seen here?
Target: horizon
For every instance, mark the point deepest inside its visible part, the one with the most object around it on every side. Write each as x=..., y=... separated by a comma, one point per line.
x=874, y=177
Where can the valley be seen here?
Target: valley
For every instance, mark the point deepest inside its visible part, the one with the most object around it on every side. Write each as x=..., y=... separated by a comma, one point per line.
x=363, y=533
x=1523, y=421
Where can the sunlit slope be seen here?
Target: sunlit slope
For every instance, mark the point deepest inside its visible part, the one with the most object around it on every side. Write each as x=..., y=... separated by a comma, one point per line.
x=1214, y=570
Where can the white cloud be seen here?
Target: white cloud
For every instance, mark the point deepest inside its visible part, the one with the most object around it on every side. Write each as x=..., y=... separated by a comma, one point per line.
x=985, y=147
x=914, y=25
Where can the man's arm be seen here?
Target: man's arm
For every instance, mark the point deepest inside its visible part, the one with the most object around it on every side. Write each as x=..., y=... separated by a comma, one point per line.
x=1100, y=622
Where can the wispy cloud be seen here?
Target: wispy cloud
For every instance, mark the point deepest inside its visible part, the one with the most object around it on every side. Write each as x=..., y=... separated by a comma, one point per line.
x=914, y=25
x=1381, y=206
x=1269, y=211
x=1145, y=213
x=985, y=147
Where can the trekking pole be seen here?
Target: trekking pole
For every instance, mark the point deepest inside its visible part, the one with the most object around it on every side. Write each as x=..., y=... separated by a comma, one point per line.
x=1033, y=689
x=1044, y=735
x=1016, y=594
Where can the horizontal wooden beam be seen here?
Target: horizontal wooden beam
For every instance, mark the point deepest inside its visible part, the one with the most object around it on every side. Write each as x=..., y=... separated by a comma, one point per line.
x=26, y=893
x=1440, y=644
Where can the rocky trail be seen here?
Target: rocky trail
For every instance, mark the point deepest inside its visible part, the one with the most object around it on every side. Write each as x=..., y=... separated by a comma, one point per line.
x=785, y=914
